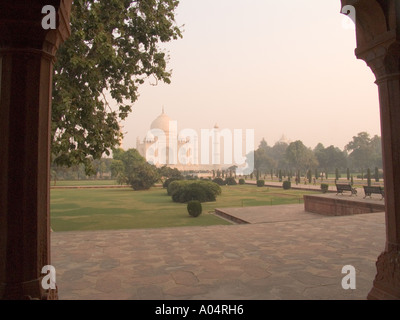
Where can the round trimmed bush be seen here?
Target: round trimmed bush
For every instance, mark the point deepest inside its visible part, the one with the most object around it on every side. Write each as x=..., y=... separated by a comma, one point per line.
x=242, y=181
x=286, y=185
x=230, y=181
x=260, y=183
x=194, y=208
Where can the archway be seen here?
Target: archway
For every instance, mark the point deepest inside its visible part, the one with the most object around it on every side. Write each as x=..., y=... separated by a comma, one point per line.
x=26, y=54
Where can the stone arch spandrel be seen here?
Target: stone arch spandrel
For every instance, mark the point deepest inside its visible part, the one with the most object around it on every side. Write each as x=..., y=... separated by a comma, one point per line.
x=371, y=20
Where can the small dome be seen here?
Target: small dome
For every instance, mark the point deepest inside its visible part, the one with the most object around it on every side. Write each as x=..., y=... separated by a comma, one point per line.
x=283, y=139
x=149, y=137
x=161, y=122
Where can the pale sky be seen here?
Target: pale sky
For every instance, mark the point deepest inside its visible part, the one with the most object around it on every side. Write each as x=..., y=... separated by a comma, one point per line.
x=278, y=67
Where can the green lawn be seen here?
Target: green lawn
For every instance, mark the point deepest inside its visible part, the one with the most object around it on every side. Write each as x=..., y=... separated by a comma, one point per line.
x=100, y=209
x=63, y=183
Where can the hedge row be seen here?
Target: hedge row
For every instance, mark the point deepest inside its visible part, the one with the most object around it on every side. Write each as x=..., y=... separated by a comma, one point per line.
x=230, y=181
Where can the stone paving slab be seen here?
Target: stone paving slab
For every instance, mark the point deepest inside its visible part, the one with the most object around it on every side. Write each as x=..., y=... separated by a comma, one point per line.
x=268, y=214
x=294, y=259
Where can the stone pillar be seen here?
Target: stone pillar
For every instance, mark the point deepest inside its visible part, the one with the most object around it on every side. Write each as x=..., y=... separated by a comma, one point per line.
x=387, y=281
x=378, y=44
x=27, y=54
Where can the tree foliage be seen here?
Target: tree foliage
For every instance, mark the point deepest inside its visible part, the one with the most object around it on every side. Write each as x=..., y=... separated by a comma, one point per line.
x=300, y=157
x=330, y=158
x=364, y=151
x=113, y=49
x=137, y=172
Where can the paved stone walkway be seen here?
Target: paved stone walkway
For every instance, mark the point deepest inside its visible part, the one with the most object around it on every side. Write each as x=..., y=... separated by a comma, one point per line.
x=282, y=257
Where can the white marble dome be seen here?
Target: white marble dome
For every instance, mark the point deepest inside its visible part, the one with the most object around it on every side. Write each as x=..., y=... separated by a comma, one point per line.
x=161, y=122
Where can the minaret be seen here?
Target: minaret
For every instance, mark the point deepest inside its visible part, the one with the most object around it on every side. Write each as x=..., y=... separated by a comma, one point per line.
x=216, y=157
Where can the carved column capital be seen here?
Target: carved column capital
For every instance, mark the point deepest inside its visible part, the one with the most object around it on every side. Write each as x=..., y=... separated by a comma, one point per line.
x=377, y=34
x=21, y=26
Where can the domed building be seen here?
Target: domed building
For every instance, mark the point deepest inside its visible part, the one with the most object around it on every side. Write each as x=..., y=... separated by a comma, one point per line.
x=163, y=145
x=284, y=140
x=162, y=122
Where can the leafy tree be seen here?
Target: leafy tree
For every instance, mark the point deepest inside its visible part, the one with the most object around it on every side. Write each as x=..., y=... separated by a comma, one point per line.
x=117, y=171
x=264, y=145
x=113, y=49
x=364, y=151
x=167, y=172
x=330, y=157
x=300, y=157
x=262, y=161
x=278, y=154
x=137, y=172
x=376, y=174
x=309, y=176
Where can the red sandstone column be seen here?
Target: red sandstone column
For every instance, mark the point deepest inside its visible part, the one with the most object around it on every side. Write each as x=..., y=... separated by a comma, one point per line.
x=26, y=67
x=378, y=44
x=387, y=281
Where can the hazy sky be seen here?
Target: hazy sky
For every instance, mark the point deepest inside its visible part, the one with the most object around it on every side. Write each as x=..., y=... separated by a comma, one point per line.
x=278, y=67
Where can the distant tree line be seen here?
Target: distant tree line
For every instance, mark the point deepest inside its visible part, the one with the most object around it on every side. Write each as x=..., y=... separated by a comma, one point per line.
x=296, y=159
x=282, y=160
x=101, y=169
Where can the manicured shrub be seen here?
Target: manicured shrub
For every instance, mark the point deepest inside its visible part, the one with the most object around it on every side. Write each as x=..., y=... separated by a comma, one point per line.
x=286, y=185
x=219, y=181
x=194, y=208
x=242, y=181
x=169, y=180
x=260, y=183
x=193, y=192
x=187, y=190
x=324, y=187
x=175, y=185
x=230, y=181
